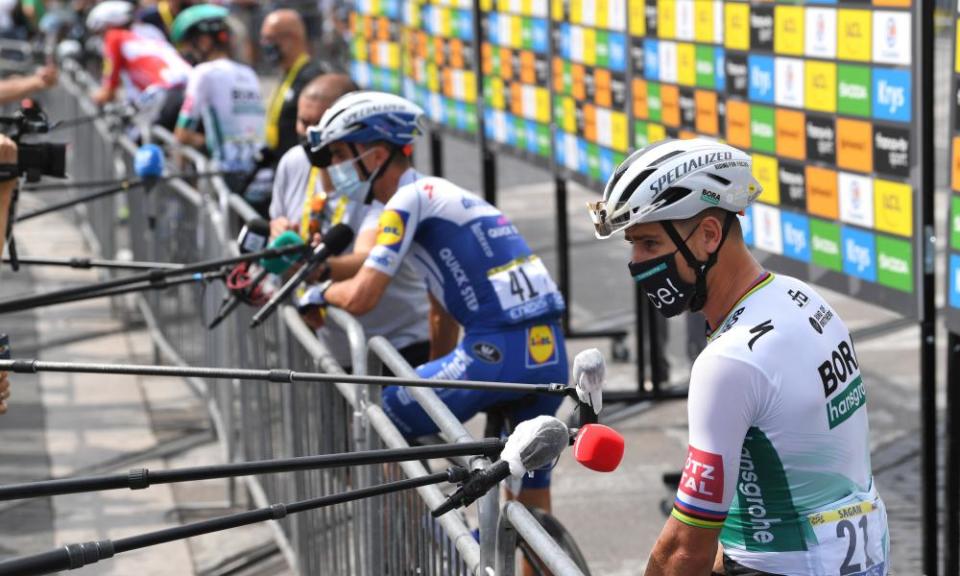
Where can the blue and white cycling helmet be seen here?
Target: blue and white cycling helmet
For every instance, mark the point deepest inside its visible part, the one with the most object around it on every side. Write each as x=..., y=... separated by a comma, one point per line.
x=364, y=118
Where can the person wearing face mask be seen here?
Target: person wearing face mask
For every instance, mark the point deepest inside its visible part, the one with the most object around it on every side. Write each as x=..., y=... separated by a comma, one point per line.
x=479, y=270
x=225, y=96
x=305, y=201
x=283, y=43
x=777, y=470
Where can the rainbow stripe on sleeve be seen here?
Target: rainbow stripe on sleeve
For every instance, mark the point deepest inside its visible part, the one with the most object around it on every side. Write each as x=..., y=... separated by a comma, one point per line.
x=699, y=517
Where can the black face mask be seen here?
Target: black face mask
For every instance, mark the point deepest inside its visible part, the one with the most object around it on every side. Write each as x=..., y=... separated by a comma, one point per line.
x=660, y=278
x=271, y=53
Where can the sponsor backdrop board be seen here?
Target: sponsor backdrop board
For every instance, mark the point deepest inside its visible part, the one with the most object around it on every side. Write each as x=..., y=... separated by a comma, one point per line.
x=953, y=224
x=589, y=77
x=438, y=54
x=375, y=44
x=515, y=60
x=821, y=93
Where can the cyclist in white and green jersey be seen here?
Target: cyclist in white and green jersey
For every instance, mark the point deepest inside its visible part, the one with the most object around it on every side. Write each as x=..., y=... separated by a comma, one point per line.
x=777, y=469
x=225, y=96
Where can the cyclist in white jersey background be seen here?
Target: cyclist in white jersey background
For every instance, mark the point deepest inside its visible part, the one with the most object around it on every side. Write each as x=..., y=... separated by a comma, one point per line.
x=479, y=271
x=225, y=96
x=778, y=464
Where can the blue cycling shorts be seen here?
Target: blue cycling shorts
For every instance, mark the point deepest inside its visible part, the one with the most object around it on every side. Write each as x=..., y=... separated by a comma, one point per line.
x=533, y=354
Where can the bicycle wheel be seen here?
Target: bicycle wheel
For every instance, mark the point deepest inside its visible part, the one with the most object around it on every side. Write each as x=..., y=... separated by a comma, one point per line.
x=560, y=534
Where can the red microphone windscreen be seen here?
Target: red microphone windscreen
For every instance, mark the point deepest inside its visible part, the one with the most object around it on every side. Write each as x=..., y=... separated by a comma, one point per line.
x=598, y=447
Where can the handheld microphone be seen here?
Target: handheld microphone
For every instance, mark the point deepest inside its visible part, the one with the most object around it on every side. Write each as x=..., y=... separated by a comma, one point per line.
x=280, y=264
x=148, y=163
x=589, y=374
x=598, y=447
x=534, y=444
x=334, y=242
x=240, y=286
x=254, y=236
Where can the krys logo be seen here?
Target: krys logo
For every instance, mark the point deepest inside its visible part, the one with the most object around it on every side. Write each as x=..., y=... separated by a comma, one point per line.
x=858, y=254
x=796, y=234
x=891, y=93
x=761, y=78
x=392, y=225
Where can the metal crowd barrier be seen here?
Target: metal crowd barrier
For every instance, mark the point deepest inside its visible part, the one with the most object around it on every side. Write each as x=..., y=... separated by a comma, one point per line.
x=186, y=221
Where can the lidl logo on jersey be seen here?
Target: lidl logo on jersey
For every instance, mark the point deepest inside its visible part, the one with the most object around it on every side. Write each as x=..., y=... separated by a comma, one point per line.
x=541, y=346
x=761, y=78
x=891, y=95
x=895, y=263
x=859, y=254
x=796, y=236
x=391, y=229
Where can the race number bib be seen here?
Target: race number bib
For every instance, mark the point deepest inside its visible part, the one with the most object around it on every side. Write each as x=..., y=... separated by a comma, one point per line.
x=520, y=281
x=851, y=539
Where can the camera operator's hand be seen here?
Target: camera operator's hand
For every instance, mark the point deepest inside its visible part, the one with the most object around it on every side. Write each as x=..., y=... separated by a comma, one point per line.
x=4, y=391
x=8, y=155
x=280, y=225
x=8, y=151
x=48, y=75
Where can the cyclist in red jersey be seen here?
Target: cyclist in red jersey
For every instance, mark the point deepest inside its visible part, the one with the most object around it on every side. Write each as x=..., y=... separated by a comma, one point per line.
x=153, y=74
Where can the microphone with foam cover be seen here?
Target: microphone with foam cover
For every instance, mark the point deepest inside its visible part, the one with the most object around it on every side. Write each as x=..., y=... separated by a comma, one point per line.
x=598, y=447
x=280, y=264
x=334, y=242
x=589, y=375
x=534, y=444
x=148, y=162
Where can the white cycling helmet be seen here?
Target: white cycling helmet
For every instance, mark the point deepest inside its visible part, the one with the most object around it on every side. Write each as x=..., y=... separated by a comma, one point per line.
x=674, y=180
x=110, y=14
x=365, y=117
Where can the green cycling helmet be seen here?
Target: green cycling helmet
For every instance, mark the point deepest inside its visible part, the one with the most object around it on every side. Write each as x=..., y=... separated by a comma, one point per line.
x=202, y=18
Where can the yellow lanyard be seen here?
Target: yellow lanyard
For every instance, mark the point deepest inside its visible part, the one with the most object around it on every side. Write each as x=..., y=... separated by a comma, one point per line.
x=165, y=14
x=308, y=204
x=314, y=203
x=276, y=103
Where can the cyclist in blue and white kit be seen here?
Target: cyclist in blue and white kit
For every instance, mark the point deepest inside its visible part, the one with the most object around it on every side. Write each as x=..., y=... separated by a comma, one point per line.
x=478, y=268
x=777, y=469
